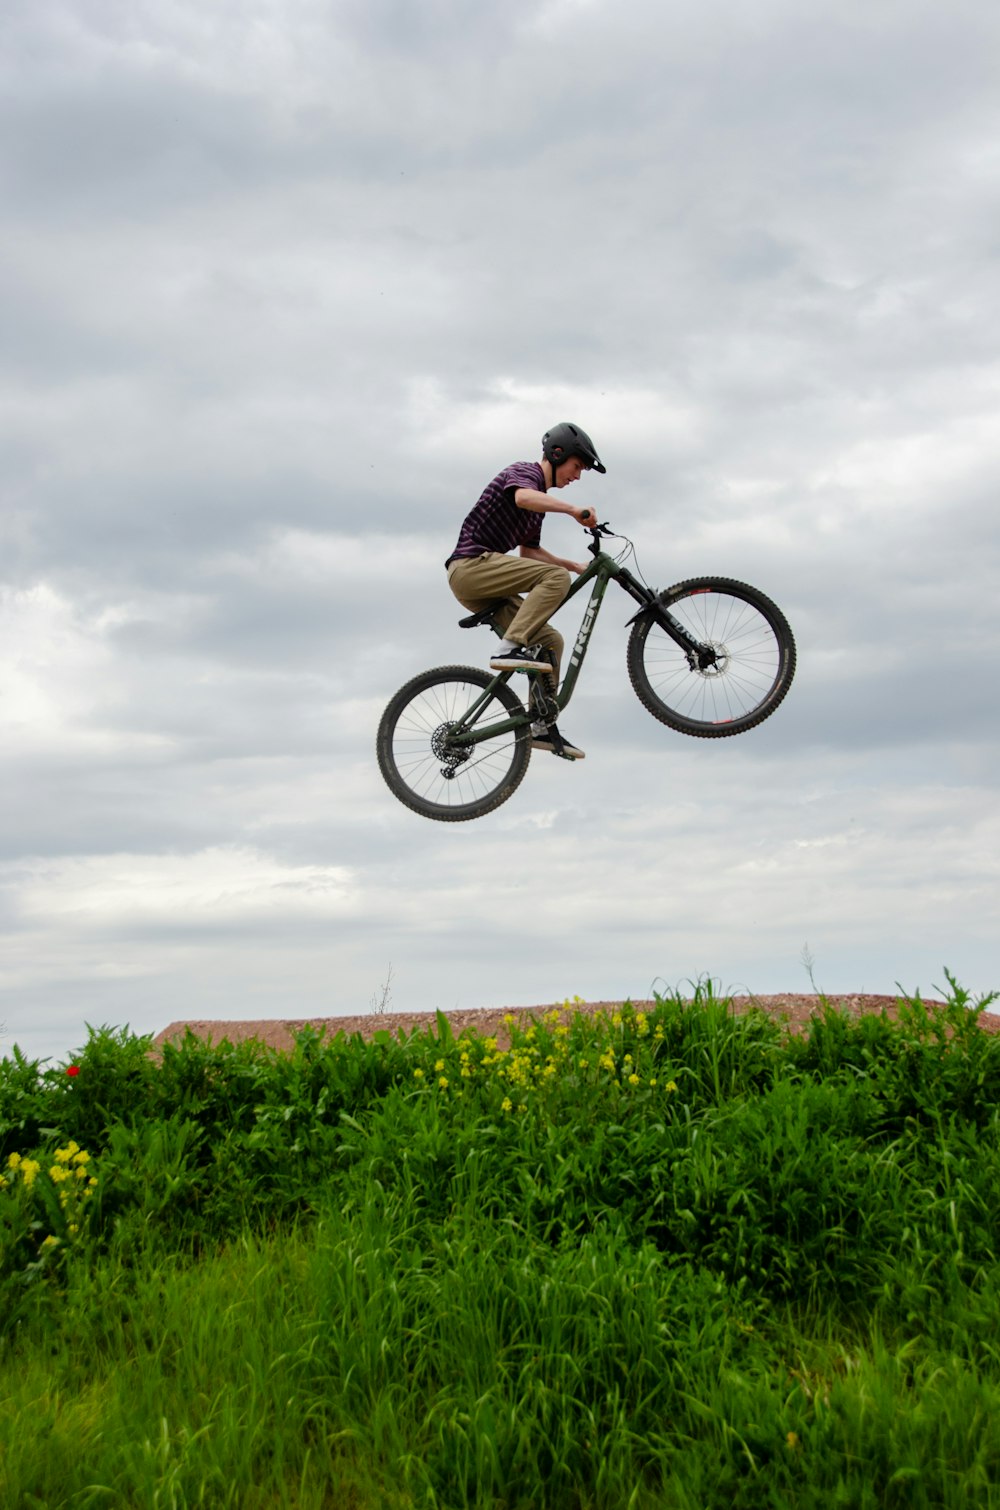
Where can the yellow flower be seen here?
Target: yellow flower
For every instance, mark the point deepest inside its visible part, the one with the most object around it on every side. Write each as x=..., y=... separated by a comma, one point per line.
x=13, y=1160
x=439, y=1066
x=58, y=1173
x=506, y=1104
x=443, y=1082
x=418, y=1074
x=81, y=1157
x=29, y=1168
x=634, y=1080
x=792, y=1439
x=50, y=1242
x=653, y=1081
x=671, y=1086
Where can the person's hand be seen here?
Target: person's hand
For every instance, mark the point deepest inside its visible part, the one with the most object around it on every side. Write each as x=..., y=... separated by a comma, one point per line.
x=586, y=517
x=576, y=566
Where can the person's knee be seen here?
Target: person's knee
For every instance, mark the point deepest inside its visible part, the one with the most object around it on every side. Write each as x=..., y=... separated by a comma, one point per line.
x=559, y=577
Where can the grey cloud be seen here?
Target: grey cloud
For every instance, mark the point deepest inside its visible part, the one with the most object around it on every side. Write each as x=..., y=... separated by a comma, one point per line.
x=312, y=274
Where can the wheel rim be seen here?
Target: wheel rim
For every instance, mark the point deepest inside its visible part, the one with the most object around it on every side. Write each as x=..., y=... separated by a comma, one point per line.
x=419, y=747
x=747, y=665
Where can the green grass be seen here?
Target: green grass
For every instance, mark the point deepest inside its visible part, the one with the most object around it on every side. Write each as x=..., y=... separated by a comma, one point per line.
x=668, y=1259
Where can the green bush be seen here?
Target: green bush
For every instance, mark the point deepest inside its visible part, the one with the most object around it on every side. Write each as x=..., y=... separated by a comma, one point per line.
x=674, y=1258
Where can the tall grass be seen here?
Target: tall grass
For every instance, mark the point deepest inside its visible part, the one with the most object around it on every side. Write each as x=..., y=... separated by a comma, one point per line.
x=667, y=1259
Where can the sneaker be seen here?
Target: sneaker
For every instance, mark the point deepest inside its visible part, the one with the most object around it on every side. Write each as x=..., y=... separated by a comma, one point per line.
x=522, y=658
x=547, y=737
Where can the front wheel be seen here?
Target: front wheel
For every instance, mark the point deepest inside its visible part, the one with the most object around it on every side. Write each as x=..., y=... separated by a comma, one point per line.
x=421, y=755
x=737, y=676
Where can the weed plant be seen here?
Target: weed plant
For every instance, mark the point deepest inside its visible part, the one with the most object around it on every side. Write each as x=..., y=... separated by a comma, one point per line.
x=675, y=1258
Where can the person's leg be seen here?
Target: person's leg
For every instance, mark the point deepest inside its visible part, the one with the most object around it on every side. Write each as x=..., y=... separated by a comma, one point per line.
x=483, y=579
x=476, y=588
x=550, y=639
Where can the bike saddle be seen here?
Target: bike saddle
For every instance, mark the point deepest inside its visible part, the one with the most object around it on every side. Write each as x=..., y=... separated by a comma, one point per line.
x=484, y=616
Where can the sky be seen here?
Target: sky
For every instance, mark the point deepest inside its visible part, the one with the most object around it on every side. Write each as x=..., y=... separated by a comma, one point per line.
x=283, y=284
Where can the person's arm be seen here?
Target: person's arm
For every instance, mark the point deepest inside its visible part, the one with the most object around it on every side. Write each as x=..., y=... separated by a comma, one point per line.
x=544, y=503
x=539, y=553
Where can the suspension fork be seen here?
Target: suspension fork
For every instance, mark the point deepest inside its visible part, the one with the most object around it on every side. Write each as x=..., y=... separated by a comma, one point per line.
x=652, y=608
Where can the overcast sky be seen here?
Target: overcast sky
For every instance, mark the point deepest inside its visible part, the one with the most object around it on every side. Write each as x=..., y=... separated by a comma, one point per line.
x=284, y=283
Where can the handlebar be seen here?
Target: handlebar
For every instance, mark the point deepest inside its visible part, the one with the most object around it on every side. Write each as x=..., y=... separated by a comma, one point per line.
x=596, y=531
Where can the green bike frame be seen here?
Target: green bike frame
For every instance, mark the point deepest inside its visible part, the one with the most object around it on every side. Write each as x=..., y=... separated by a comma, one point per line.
x=600, y=572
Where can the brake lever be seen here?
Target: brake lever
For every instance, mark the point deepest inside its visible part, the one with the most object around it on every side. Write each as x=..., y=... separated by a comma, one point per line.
x=596, y=531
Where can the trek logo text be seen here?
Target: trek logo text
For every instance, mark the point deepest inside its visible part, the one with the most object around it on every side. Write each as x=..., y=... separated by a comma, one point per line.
x=585, y=628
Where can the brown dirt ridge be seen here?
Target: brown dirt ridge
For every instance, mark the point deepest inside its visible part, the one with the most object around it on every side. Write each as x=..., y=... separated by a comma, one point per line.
x=796, y=1012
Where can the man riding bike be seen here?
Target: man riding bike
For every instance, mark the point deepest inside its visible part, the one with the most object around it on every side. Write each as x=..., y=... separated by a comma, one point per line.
x=480, y=570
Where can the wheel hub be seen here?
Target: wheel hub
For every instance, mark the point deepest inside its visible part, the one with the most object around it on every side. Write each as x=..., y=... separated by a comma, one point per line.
x=713, y=659
x=451, y=756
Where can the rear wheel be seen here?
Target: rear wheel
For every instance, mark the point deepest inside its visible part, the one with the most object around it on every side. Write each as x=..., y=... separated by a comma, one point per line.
x=421, y=761
x=737, y=677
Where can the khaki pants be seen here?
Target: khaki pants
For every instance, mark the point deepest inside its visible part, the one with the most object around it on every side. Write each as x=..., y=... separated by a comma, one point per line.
x=480, y=580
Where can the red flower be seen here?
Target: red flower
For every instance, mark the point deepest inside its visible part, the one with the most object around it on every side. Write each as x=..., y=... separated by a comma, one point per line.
x=72, y=1069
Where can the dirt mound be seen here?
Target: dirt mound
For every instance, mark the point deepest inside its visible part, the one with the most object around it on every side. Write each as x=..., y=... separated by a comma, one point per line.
x=795, y=1011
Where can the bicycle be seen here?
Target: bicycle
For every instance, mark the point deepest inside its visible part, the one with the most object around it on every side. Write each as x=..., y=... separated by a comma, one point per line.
x=709, y=657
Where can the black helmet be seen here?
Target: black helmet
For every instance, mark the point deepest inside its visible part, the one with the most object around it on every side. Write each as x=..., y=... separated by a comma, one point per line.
x=566, y=440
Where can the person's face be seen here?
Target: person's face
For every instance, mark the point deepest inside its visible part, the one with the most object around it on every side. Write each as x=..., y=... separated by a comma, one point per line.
x=571, y=470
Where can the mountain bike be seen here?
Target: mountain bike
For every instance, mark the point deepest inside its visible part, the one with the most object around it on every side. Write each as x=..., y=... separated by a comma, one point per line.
x=708, y=657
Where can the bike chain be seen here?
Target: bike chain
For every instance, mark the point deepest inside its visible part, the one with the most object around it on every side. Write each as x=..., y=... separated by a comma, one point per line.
x=470, y=765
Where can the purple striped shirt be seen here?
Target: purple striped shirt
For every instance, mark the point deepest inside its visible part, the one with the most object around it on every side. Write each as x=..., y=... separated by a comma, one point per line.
x=496, y=523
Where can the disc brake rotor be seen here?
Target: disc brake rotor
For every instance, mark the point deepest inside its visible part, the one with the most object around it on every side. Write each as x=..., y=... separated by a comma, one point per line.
x=720, y=663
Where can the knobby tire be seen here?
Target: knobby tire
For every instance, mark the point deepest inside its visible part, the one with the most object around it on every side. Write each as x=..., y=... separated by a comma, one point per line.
x=754, y=670
x=413, y=770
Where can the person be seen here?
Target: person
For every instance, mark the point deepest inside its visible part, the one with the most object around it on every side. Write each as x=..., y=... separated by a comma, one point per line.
x=481, y=570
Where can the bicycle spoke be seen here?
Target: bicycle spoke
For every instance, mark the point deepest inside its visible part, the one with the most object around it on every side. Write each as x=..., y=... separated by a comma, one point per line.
x=426, y=767
x=745, y=663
